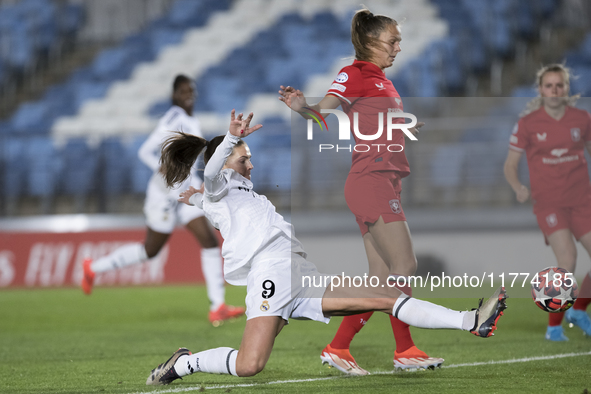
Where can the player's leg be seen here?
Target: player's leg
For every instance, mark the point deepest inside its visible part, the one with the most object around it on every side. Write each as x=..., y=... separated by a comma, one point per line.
x=565, y=250
x=577, y=315
x=159, y=209
x=255, y=349
x=124, y=256
x=341, y=301
x=393, y=243
x=211, y=264
x=337, y=353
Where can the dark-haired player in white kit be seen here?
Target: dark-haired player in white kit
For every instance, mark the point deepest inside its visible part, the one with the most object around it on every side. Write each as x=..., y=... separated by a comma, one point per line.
x=261, y=252
x=163, y=211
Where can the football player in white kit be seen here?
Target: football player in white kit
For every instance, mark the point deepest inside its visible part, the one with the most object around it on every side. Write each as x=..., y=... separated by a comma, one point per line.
x=163, y=211
x=261, y=252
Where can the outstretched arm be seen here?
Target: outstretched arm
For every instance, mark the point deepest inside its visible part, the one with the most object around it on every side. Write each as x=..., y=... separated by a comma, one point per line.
x=294, y=99
x=149, y=152
x=239, y=128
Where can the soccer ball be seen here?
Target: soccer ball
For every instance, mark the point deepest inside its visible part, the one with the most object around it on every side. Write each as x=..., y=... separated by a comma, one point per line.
x=554, y=289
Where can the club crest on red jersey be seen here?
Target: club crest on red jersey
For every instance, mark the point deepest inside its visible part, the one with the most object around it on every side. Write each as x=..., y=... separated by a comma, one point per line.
x=395, y=206
x=552, y=220
x=575, y=134
x=342, y=77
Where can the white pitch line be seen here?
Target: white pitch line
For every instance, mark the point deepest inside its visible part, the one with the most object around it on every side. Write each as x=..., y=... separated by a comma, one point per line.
x=519, y=360
x=512, y=361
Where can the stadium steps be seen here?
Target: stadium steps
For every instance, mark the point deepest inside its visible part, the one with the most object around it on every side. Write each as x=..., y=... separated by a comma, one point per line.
x=127, y=102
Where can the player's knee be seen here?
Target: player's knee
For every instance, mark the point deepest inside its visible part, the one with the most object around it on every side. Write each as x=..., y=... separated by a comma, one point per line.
x=209, y=242
x=408, y=268
x=249, y=368
x=151, y=252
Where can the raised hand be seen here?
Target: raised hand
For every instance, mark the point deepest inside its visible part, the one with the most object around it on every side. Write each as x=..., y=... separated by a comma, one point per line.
x=240, y=126
x=415, y=130
x=293, y=98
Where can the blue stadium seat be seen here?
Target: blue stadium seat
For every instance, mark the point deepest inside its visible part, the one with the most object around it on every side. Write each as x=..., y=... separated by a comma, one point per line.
x=31, y=118
x=585, y=48
x=70, y=19
x=139, y=173
x=44, y=167
x=502, y=39
x=14, y=166
x=582, y=81
x=524, y=19
x=79, y=177
x=108, y=62
x=164, y=37
x=89, y=90
x=21, y=49
x=115, y=165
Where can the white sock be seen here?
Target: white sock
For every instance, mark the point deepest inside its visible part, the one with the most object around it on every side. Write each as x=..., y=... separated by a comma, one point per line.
x=121, y=257
x=211, y=264
x=424, y=314
x=221, y=360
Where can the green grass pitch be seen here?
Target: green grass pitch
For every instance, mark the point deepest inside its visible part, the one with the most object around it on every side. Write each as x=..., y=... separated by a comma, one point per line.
x=60, y=341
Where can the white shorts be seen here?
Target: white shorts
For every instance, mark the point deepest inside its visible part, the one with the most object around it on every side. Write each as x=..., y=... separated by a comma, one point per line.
x=274, y=288
x=161, y=208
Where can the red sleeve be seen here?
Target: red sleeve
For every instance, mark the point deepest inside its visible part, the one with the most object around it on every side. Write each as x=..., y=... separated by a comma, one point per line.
x=347, y=85
x=518, y=140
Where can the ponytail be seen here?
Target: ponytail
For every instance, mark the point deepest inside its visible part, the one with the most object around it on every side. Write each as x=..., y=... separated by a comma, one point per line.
x=365, y=30
x=180, y=151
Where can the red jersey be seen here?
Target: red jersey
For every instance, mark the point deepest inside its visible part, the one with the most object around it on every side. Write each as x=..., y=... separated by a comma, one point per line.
x=364, y=89
x=555, y=152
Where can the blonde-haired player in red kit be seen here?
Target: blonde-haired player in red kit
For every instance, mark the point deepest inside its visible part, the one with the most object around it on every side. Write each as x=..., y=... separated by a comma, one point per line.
x=373, y=185
x=554, y=135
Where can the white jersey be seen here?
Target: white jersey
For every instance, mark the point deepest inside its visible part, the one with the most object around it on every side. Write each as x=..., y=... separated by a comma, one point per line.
x=175, y=119
x=248, y=222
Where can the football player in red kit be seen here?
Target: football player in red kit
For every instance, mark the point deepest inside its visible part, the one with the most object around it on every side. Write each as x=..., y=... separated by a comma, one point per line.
x=373, y=186
x=554, y=135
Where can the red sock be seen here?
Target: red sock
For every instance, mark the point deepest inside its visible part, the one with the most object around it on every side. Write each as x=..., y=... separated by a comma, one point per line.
x=584, y=294
x=555, y=319
x=401, y=330
x=348, y=328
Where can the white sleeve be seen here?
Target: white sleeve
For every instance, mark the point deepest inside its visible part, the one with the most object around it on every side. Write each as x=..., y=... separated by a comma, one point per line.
x=149, y=152
x=214, y=180
x=197, y=200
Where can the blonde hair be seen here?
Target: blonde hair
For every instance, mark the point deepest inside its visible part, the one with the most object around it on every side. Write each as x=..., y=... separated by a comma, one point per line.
x=536, y=103
x=365, y=30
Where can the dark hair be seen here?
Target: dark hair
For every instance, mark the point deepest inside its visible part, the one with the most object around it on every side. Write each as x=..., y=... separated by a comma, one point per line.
x=365, y=30
x=179, y=80
x=180, y=151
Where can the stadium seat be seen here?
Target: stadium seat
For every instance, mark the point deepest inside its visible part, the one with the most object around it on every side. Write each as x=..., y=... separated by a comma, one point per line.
x=139, y=173
x=44, y=168
x=80, y=168
x=582, y=83
x=30, y=118
x=13, y=166
x=114, y=164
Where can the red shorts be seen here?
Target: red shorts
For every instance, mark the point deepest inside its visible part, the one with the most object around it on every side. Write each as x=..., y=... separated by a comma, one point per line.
x=374, y=194
x=577, y=219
